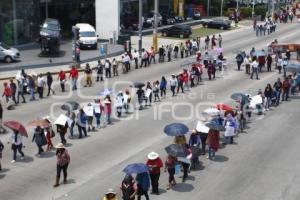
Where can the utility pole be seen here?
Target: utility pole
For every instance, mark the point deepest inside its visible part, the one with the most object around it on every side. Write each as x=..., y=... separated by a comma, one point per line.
x=253, y=10
x=140, y=25
x=237, y=5
x=222, y=2
x=208, y=6
x=154, y=42
x=15, y=23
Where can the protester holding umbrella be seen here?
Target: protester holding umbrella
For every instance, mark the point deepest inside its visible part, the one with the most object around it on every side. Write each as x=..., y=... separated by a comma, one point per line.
x=110, y=195
x=63, y=160
x=170, y=165
x=39, y=138
x=154, y=163
x=143, y=183
x=128, y=188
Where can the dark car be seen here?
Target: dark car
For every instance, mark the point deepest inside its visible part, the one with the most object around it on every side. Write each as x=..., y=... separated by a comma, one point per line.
x=197, y=15
x=177, y=30
x=50, y=28
x=218, y=24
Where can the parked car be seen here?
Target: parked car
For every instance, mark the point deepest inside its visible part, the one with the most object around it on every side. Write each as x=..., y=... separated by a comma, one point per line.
x=149, y=19
x=50, y=28
x=178, y=19
x=218, y=24
x=168, y=19
x=87, y=36
x=8, y=54
x=178, y=31
x=197, y=15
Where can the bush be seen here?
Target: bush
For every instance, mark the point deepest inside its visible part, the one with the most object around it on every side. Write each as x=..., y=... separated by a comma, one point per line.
x=261, y=10
x=246, y=12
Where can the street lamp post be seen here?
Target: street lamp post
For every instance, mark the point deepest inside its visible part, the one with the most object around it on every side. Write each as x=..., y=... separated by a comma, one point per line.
x=155, y=25
x=222, y=2
x=253, y=10
x=207, y=7
x=140, y=25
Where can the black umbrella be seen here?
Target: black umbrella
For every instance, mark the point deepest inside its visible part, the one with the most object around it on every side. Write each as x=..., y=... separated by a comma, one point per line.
x=177, y=150
x=243, y=98
x=138, y=84
x=70, y=105
x=215, y=126
x=176, y=129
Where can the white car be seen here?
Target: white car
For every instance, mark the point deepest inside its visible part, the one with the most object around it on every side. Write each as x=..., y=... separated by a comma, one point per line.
x=87, y=36
x=8, y=54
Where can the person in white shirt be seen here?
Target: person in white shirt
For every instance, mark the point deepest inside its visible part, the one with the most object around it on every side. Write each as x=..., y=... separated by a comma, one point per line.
x=279, y=64
x=136, y=59
x=247, y=64
x=16, y=141
x=254, y=65
x=107, y=69
x=173, y=84
x=40, y=84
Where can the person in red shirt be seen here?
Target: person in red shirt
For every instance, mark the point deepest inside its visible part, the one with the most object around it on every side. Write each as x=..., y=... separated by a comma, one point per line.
x=63, y=160
x=74, y=77
x=6, y=92
x=62, y=80
x=213, y=143
x=154, y=163
x=285, y=89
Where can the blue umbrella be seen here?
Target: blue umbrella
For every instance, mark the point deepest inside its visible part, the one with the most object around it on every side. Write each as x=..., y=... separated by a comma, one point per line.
x=176, y=129
x=106, y=92
x=136, y=168
x=260, y=53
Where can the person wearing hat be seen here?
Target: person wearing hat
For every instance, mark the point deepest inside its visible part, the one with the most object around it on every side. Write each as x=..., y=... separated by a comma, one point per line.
x=63, y=160
x=110, y=195
x=154, y=163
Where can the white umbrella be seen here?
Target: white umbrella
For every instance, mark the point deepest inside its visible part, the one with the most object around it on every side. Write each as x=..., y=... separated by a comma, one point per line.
x=201, y=127
x=211, y=112
x=61, y=120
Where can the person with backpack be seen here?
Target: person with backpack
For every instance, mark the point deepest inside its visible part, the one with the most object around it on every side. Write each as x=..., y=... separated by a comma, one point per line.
x=154, y=163
x=129, y=188
x=143, y=183
x=1, y=149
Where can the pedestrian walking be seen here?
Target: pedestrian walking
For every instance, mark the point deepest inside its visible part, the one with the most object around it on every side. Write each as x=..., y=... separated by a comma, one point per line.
x=31, y=87
x=98, y=109
x=148, y=95
x=268, y=93
x=163, y=87
x=63, y=161
x=40, y=139
x=278, y=89
x=239, y=60
x=284, y=64
x=126, y=61
x=49, y=83
x=155, y=164
x=176, y=50
x=16, y=141
x=129, y=188
x=6, y=92
x=170, y=167
x=62, y=130
x=169, y=52
x=81, y=123
x=110, y=195
x=231, y=127
x=99, y=69
x=115, y=65
x=144, y=58
x=156, y=91
x=107, y=67
x=152, y=55
x=213, y=42
x=173, y=84
x=90, y=117
x=180, y=83
x=279, y=64
x=254, y=66
x=88, y=75
x=127, y=100
x=107, y=109
x=181, y=50
x=143, y=183
x=13, y=89
x=21, y=82
x=62, y=80
x=119, y=103
x=2, y=129
x=195, y=142
x=220, y=40
x=247, y=64
x=1, y=150
x=49, y=133
x=213, y=143
x=285, y=89
x=74, y=77
x=41, y=84
x=269, y=63
x=206, y=42
x=141, y=96
x=136, y=59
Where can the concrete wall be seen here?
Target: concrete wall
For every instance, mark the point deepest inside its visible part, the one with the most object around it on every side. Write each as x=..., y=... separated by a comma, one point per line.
x=107, y=18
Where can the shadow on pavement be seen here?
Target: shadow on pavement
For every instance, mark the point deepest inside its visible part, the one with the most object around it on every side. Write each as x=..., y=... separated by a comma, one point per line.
x=27, y=159
x=162, y=191
x=220, y=158
x=2, y=176
x=183, y=187
x=47, y=154
x=71, y=181
x=4, y=170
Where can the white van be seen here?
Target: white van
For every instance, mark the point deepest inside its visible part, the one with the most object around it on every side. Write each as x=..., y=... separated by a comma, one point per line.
x=87, y=36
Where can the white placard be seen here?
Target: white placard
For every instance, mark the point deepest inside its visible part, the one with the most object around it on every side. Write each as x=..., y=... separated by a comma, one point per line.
x=201, y=127
x=89, y=110
x=148, y=92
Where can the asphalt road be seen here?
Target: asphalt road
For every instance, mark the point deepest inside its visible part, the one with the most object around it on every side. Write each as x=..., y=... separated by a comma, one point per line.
x=263, y=164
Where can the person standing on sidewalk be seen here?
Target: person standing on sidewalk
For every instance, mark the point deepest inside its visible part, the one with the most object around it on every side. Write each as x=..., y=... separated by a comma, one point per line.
x=62, y=80
x=63, y=161
x=154, y=163
x=74, y=77
x=152, y=55
x=13, y=89
x=20, y=82
x=49, y=83
x=115, y=65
